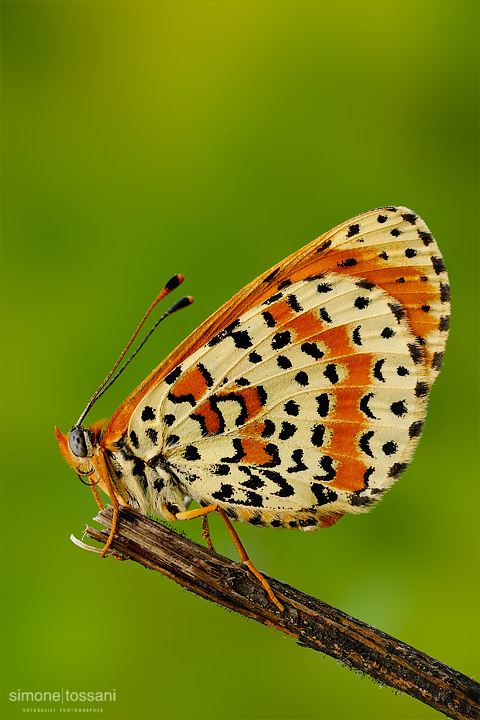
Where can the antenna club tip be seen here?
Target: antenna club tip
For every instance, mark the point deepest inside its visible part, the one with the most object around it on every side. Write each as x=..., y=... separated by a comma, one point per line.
x=190, y=299
x=174, y=282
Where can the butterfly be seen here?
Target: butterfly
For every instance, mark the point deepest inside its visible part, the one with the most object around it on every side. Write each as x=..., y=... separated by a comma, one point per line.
x=299, y=400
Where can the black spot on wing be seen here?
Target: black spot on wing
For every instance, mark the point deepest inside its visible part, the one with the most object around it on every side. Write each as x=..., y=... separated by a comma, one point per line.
x=284, y=362
x=438, y=265
x=323, y=495
x=287, y=431
x=239, y=452
x=364, y=406
x=397, y=310
x=176, y=399
x=324, y=287
x=397, y=469
x=226, y=332
x=425, y=237
x=191, y=453
x=399, y=408
x=357, y=500
x=242, y=382
x=331, y=374
x=416, y=352
x=349, y=262
x=134, y=439
x=174, y=375
x=291, y=408
x=298, y=465
x=361, y=302
x=377, y=370
x=324, y=246
x=242, y=339
x=323, y=404
x=253, y=481
x=281, y=339
x=273, y=298
x=444, y=292
x=390, y=447
x=148, y=413
x=312, y=349
x=421, y=389
x=225, y=492
x=269, y=319
x=294, y=304
x=318, y=435
x=206, y=375
x=152, y=434
x=302, y=378
x=286, y=490
x=220, y=469
x=364, y=443
x=410, y=218
x=444, y=323
x=353, y=230
x=272, y=275
x=356, y=337
x=415, y=428
x=365, y=284
x=272, y=450
x=437, y=360
x=326, y=463
x=269, y=428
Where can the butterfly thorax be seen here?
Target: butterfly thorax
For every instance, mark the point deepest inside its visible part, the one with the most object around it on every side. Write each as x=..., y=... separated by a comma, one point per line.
x=148, y=486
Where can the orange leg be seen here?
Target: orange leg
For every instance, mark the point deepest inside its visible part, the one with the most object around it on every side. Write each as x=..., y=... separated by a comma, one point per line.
x=102, y=471
x=116, y=505
x=206, y=533
x=201, y=512
x=97, y=497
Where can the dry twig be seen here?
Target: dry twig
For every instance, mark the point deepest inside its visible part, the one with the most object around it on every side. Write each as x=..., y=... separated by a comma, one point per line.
x=311, y=622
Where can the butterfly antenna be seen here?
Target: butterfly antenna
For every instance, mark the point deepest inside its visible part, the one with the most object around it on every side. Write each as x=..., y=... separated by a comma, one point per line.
x=171, y=285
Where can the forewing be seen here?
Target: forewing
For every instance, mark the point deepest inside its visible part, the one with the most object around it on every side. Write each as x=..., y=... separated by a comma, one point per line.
x=389, y=247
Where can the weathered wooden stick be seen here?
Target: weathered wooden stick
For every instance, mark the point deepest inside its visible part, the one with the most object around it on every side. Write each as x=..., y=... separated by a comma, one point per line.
x=311, y=622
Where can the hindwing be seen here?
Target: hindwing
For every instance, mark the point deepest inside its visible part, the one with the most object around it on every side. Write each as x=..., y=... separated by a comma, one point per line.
x=306, y=406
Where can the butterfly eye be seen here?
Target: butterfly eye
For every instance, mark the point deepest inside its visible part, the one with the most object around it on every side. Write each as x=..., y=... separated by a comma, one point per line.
x=76, y=441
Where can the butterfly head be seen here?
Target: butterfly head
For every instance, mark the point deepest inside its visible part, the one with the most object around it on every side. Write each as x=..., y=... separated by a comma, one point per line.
x=79, y=446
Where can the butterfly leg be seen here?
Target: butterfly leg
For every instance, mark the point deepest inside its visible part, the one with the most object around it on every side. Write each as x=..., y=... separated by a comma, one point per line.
x=114, y=524
x=96, y=495
x=201, y=512
x=206, y=533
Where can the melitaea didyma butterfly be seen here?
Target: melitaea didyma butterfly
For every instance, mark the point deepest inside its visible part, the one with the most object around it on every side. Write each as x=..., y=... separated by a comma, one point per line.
x=301, y=399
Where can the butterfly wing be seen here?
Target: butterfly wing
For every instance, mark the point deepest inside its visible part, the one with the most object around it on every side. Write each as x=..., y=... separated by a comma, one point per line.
x=389, y=247
x=308, y=405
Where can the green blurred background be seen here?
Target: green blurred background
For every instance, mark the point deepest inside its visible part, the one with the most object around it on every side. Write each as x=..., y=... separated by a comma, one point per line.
x=214, y=138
